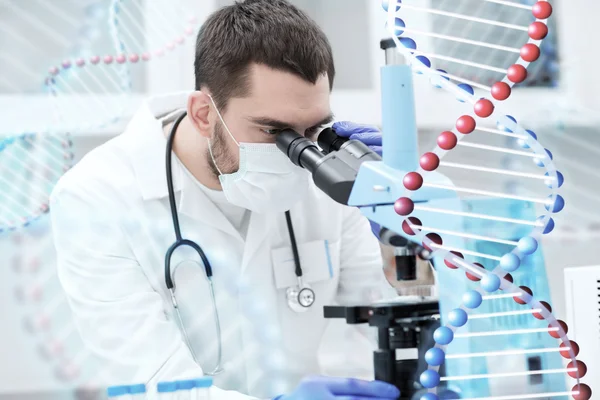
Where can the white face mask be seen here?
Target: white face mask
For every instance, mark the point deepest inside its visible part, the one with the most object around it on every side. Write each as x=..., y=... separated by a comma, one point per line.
x=266, y=181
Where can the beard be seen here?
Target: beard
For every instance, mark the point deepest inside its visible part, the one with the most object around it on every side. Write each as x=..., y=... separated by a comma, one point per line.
x=226, y=163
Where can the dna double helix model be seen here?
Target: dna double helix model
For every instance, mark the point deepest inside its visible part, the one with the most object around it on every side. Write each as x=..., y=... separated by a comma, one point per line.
x=90, y=91
x=500, y=38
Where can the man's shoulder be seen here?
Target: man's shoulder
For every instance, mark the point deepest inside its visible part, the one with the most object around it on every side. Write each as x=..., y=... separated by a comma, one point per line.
x=104, y=170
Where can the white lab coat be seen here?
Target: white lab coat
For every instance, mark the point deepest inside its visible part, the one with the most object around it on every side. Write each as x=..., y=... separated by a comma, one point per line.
x=112, y=227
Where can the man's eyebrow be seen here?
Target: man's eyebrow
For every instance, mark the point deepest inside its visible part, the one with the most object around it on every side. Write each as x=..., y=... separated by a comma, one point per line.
x=277, y=124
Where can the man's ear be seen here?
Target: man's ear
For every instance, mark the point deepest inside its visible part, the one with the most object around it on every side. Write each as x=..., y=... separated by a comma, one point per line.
x=198, y=111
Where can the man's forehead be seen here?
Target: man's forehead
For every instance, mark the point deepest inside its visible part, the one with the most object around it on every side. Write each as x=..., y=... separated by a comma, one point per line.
x=282, y=97
x=299, y=119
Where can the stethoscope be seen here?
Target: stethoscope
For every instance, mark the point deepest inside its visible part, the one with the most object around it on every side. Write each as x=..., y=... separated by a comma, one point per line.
x=299, y=298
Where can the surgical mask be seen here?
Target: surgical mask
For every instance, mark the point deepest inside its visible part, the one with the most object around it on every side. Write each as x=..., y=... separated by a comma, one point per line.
x=266, y=181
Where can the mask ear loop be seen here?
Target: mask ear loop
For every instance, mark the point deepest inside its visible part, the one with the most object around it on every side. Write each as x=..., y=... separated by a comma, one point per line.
x=222, y=121
x=226, y=128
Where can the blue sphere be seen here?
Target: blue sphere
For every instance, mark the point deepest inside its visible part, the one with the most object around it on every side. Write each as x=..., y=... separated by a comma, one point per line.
x=510, y=262
x=435, y=356
x=436, y=77
x=408, y=43
x=429, y=379
x=560, y=179
x=540, y=162
x=429, y=396
x=559, y=204
x=423, y=62
x=472, y=299
x=523, y=143
x=504, y=128
x=549, y=226
x=398, y=26
x=527, y=245
x=386, y=4
x=443, y=335
x=457, y=317
x=490, y=283
x=466, y=88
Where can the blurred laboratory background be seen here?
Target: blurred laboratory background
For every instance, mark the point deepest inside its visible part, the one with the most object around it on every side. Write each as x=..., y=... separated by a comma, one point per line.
x=62, y=77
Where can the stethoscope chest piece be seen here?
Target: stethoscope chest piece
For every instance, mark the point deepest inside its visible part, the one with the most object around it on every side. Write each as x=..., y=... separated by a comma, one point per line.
x=300, y=298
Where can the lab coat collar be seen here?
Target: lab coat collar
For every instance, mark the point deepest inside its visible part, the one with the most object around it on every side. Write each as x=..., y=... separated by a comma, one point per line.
x=148, y=157
x=148, y=146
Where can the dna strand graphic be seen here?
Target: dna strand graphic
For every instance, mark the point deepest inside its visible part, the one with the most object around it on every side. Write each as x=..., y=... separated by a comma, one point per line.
x=572, y=130
x=106, y=80
x=443, y=227
x=88, y=92
x=31, y=158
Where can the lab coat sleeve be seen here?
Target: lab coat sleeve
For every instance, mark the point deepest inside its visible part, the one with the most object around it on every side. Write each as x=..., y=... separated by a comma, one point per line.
x=347, y=350
x=119, y=315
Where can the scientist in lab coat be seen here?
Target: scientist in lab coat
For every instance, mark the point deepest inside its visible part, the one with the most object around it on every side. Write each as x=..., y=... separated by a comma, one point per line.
x=261, y=66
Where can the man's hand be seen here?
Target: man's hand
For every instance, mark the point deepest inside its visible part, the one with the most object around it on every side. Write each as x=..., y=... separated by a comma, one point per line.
x=328, y=388
x=369, y=135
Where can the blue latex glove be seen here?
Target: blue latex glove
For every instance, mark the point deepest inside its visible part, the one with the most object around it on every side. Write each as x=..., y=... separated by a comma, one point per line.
x=369, y=135
x=329, y=388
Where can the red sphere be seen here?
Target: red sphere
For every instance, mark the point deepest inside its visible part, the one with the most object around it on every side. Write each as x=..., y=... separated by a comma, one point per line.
x=429, y=161
x=556, y=334
x=435, y=238
x=583, y=390
x=581, y=369
x=107, y=59
x=466, y=124
x=523, y=299
x=542, y=10
x=484, y=108
x=472, y=277
x=538, y=30
x=566, y=353
x=411, y=221
x=517, y=73
x=530, y=52
x=449, y=264
x=509, y=278
x=413, y=181
x=447, y=140
x=546, y=306
x=404, y=206
x=501, y=91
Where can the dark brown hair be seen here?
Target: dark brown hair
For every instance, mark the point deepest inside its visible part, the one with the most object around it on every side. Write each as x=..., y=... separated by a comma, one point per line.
x=269, y=32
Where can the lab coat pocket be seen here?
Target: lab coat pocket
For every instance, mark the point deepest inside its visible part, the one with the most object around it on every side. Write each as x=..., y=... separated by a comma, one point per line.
x=319, y=261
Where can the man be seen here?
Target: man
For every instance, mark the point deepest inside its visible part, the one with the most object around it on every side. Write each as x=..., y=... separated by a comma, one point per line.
x=261, y=66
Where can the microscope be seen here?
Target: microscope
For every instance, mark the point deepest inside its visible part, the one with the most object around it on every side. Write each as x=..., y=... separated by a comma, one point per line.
x=404, y=323
x=351, y=174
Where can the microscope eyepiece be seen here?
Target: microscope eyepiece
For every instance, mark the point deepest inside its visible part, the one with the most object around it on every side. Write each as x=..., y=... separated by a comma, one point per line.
x=329, y=141
x=300, y=150
x=334, y=170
